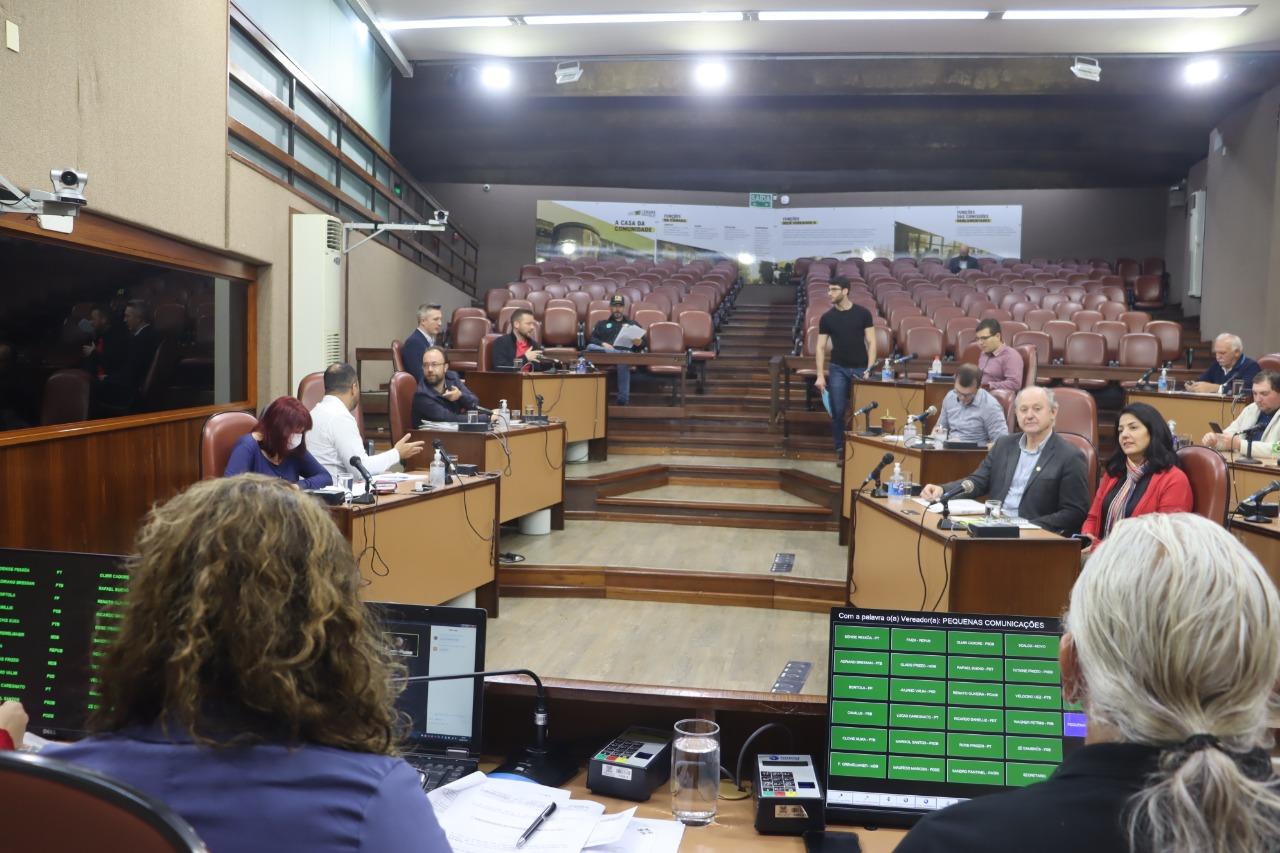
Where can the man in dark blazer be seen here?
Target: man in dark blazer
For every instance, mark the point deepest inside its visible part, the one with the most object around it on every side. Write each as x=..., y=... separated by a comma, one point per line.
x=425, y=335
x=1035, y=473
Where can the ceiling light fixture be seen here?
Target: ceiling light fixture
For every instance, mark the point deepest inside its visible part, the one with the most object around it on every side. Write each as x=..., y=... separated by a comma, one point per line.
x=746, y=258
x=1087, y=68
x=873, y=15
x=635, y=18
x=495, y=77
x=1201, y=71
x=1124, y=14
x=568, y=72
x=446, y=23
x=711, y=74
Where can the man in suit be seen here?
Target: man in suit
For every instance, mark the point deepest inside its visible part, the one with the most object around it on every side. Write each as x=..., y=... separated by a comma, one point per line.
x=1036, y=474
x=441, y=396
x=425, y=334
x=517, y=348
x=119, y=390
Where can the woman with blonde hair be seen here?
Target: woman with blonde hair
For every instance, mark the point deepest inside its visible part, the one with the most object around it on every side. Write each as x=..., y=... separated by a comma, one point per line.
x=246, y=686
x=1172, y=646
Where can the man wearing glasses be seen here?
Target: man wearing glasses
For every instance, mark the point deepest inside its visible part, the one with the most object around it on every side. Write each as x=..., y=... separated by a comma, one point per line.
x=969, y=413
x=1001, y=365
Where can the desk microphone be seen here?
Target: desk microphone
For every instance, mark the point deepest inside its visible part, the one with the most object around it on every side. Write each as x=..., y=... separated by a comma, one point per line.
x=539, y=398
x=1142, y=380
x=923, y=416
x=539, y=763
x=902, y=358
x=964, y=487
x=367, y=498
x=887, y=459
x=1250, y=508
x=865, y=410
x=1256, y=497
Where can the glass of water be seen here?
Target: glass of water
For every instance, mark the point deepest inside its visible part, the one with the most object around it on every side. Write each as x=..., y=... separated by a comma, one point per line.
x=992, y=510
x=344, y=482
x=695, y=772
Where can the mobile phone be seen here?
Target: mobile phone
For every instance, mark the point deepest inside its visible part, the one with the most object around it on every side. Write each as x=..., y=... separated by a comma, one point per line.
x=818, y=841
x=1217, y=428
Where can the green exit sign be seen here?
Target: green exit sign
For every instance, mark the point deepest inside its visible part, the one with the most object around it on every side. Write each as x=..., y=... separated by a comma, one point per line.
x=760, y=200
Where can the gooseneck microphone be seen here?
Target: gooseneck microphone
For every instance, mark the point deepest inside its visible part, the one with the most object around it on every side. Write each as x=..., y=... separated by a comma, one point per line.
x=923, y=416
x=1250, y=509
x=885, y=460
x=903, y=358
x=1142, y=380
x=367, y=498
x=867, y=408
x=964, y=487
x=1256, y=497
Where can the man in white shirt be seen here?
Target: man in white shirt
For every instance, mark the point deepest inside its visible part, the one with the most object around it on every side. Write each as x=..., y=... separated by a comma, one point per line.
x=1258, y=422
x=334, y=437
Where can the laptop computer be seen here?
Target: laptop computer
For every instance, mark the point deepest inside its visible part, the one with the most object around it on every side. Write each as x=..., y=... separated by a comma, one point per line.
x=443, y=743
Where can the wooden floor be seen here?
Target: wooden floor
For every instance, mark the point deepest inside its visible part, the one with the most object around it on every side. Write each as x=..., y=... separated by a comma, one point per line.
x=668, y=645
x=698, y=494
x=622, y=461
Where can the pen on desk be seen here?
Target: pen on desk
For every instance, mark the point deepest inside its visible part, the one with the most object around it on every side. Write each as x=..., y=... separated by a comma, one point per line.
x=546, y=813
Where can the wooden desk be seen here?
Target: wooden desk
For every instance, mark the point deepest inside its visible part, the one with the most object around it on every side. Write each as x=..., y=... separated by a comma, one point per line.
x=1193, y=412
x=576, y=398
x=431, y=547
x=1028, y=576
x=897, y=399
x=921, y=465
x=533, y=476
x=1112, y=374
x=1247, y=478
x=1263, y=541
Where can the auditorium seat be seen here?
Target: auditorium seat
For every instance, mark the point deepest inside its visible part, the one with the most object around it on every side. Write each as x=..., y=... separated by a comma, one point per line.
x=1210, y=482
x=1077, y=412
x=1139, y=351
x=1005, y=397
x=1085, y=319
x=952, y=330
x=646, y=317
x=397, y=360
x=906, y=324
x=218, y=435
x=494, y=300
x=1112, y=310
x=1148, y=292
x=519, y=290
x=884, y=341
x=1270, y=361
x=1036, y=318
x=484, y=353
x=1058, y=331
x=467, y=336
x=700, y=338
x=926, y=342
x=1030, y=364
x=1112, y=331
x=560, y=333
x=400, y=404
x=1093, y=301
x=1064, y=310
x=1086, y=349
x=66, y=397
x=1079, y=442
x=667, y=337
x=1037, y=340
x=1136, y=320
x=539, y=302
x=1170, y=336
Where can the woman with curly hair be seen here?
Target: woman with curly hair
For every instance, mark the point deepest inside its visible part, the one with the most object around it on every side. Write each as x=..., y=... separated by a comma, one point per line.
x=247, y=687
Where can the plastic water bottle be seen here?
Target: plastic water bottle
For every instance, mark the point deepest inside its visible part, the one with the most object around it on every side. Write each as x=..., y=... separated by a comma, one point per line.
x=886, y=373
x=935, y=369
x=909, y=433
x=1173, y=431
x=1162, y=384
x=435, y=473
x=581, y=366
x=897, y=486
x=504, y=415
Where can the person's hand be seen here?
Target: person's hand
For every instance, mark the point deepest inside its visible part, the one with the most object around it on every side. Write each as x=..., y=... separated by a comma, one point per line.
x=533, y=355
x=13, y=719
x=452, y=394
x=1204, y=387
x=609, y=348
x=494, y=417
x=86, y=350
x=820, y=383
x=931, y=492
x=408, y=448
x=1210, y=439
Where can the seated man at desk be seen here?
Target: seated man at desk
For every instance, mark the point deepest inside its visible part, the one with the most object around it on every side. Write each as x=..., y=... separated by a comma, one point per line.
x=441, y=395
x=1258, y=421
x=1001, y=365
x=517, y=348
x=1037, y=475
x=603, y=335
x=335, y=437
x=970, y=413
x=962, y=260
x=1230, y=364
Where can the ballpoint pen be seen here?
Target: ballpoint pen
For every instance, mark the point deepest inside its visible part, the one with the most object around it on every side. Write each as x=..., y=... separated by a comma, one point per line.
x=538, y=821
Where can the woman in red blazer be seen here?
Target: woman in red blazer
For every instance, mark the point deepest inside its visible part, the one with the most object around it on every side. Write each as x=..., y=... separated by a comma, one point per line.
x=1142, y=475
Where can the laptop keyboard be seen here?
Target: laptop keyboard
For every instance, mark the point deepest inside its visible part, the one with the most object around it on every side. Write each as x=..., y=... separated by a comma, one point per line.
x=436, y=772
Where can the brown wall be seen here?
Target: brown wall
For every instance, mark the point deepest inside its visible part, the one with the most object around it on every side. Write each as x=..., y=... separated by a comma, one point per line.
x=1106, y=222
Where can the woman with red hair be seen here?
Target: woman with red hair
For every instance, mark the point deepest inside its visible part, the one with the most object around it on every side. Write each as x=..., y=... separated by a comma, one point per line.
x=276, y=447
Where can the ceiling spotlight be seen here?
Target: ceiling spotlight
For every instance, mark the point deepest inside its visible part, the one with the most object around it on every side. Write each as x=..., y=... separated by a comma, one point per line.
x=711, y=75
x=1202, y=71
x=568, y=248
x=746, y=258
x=1087, y=68
x=568, y=72
x=495, y=77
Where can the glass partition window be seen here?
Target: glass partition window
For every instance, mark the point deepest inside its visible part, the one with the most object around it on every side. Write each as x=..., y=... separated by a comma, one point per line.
x=85, y=336
x=245, y=108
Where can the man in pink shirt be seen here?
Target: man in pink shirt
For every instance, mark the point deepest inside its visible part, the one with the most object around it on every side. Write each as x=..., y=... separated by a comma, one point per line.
x=1001, y=366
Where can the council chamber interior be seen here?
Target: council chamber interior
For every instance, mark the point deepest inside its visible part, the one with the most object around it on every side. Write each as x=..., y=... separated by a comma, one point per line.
x=274, y=187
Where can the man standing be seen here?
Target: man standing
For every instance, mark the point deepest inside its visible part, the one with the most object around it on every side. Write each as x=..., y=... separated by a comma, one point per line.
x=1230, y=364
x=441, y=395
x=1258, y=422
x=1037, y=474
x=426, y=334
x=969, y=413
x=517, y=348
x=108, y=346
x=604, y=333
x=119, y=389
x=962, y=260
x=335, y=438
x=1001, y=365
x=850, y=332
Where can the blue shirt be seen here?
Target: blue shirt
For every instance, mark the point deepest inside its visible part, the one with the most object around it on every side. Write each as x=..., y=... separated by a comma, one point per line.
x=268, y=798
x=1022, y=475
x=1245, y=369
x=299, y=467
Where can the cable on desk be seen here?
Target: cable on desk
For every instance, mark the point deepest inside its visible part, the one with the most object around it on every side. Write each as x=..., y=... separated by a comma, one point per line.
x=546, y=448
x=946, y=570
x=371, y=544
x=467, y=514
x=924, y=584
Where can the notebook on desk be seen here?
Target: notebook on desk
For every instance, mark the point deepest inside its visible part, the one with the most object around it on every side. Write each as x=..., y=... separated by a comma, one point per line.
x=446, y=717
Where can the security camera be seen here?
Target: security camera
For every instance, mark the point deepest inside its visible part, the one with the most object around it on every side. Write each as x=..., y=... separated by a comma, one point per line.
x=68, y=185
x=440, y=217
x=487, y=187
x=55, y=211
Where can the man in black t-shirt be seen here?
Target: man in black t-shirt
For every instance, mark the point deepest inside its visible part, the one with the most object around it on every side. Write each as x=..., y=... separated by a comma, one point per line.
x=850, y=332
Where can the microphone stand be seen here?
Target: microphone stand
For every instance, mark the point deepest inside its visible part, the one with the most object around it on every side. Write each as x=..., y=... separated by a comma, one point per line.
x=870, y=430
x=1248, y=453
x=1254, y=511
x=539, y=763
x=946, y=523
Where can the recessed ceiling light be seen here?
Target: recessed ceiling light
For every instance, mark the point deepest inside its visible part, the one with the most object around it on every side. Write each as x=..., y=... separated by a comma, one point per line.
x=746, y=258
x=636, y=18
x=446, y=23
x=1201, y=71
x=1123, y=14
x=872, y=15
x=495, y=77
x=711, y=74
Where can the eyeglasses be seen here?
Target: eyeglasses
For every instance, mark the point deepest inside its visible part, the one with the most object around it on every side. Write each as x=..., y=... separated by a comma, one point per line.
x=983, y=338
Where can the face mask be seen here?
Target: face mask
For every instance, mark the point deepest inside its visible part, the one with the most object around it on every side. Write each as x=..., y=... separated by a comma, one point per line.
x=295, y=440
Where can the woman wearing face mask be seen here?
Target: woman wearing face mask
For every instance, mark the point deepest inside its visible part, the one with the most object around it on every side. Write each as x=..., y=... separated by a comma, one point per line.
x=275, y=447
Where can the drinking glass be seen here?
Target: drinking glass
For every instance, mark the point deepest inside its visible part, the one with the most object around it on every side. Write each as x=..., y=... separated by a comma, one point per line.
x=992, y=509
x=695, y=772
x=1237, y=387
x=344, y=482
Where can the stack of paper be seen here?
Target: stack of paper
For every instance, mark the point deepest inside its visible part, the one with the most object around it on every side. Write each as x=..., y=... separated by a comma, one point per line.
x=480, y=815
x=960, y=506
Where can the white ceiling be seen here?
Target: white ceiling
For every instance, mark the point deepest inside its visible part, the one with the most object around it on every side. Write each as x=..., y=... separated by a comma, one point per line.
x=1258, y=29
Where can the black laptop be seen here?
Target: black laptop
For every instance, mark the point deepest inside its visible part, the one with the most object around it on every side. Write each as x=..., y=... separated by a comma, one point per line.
x=444, y=738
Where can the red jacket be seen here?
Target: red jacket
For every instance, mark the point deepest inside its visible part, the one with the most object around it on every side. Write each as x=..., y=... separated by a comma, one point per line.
x=1167, y=491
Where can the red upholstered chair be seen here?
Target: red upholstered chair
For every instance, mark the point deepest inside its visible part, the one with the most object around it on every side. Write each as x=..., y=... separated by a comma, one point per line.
x=560, y=333
x=519, y=290
x=1058, y=331
x=1052, y=300
x=1092, y=301
x=1270, y=361
x=1005, y=398
x=558, y=289
x=1136, y=320
x=66, y=397
x=1148, y=292
x=1079, y=442
x=1112, y=331
x=494, y=300
x=884, y=341
x=1040, y=343
x=926, y=342
x=539, y=302
x=467, y=335
x=218, y=435
x=1112, y=310
x=1170, y=336
x=311, y=392
x=1128, y=269
x=397, y=360
x=997, y=314
x=1036, y=318
x=1077, y=412
x=667, y=337
x=1210, y=482
x=1086, y=349
x=646, y=317
x=1030, y=364
x=700, y=338
x=1153, y=266
x=1085, y=320
x=581, y=300
x=1019, y=310
x=951, y=334
x=1064, y=310
x=484, y=355
x=1009, y=328
x=1139, y=351
x=400, y=404
x=906, y=324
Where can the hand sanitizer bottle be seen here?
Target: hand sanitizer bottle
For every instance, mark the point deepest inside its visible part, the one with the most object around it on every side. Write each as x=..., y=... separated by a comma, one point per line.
x=897, y=486
x=886, y=373
x=435, y=473
x=935, y=369
x=1162, y=385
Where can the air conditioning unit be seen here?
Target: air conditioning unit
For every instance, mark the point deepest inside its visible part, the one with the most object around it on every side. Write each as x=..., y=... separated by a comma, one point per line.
x=315, y=295
x=1195, y=243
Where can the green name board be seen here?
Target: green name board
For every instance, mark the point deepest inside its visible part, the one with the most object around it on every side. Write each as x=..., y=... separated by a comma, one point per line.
x=760, y=200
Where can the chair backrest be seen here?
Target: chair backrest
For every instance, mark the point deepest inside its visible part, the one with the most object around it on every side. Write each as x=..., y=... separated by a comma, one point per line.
x=1111, y=310
x=1210, y=482
x=1030, y=363
x=1271, y=361
x=1085, y=319
x=218, y=435
x=484, y=355
x=494, y=300
x=1138, y=349
x=1064, y=310
x=1170, y=336
x=581, y=300
x=311, y=391
x=884, y=341
x=595, y=315
x=464, y=311
x=1147, y=290
x=646, y=317
x=1077, y=412
x=666, y=337
x=906, y=324
x=66, y=397
x=1037, y=317
x=539, y=302
x=1005, y=397
x=397, y=359
x=1058, y=330
x=469, y=331
x=925, y=342
x=699, y=331
x=560, y=328
x=1112, y=331
x=1090, y=456
x=68, y=808
x=518, y=290
x=400, y=404
x=1086, y=348
x=1136, y=320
